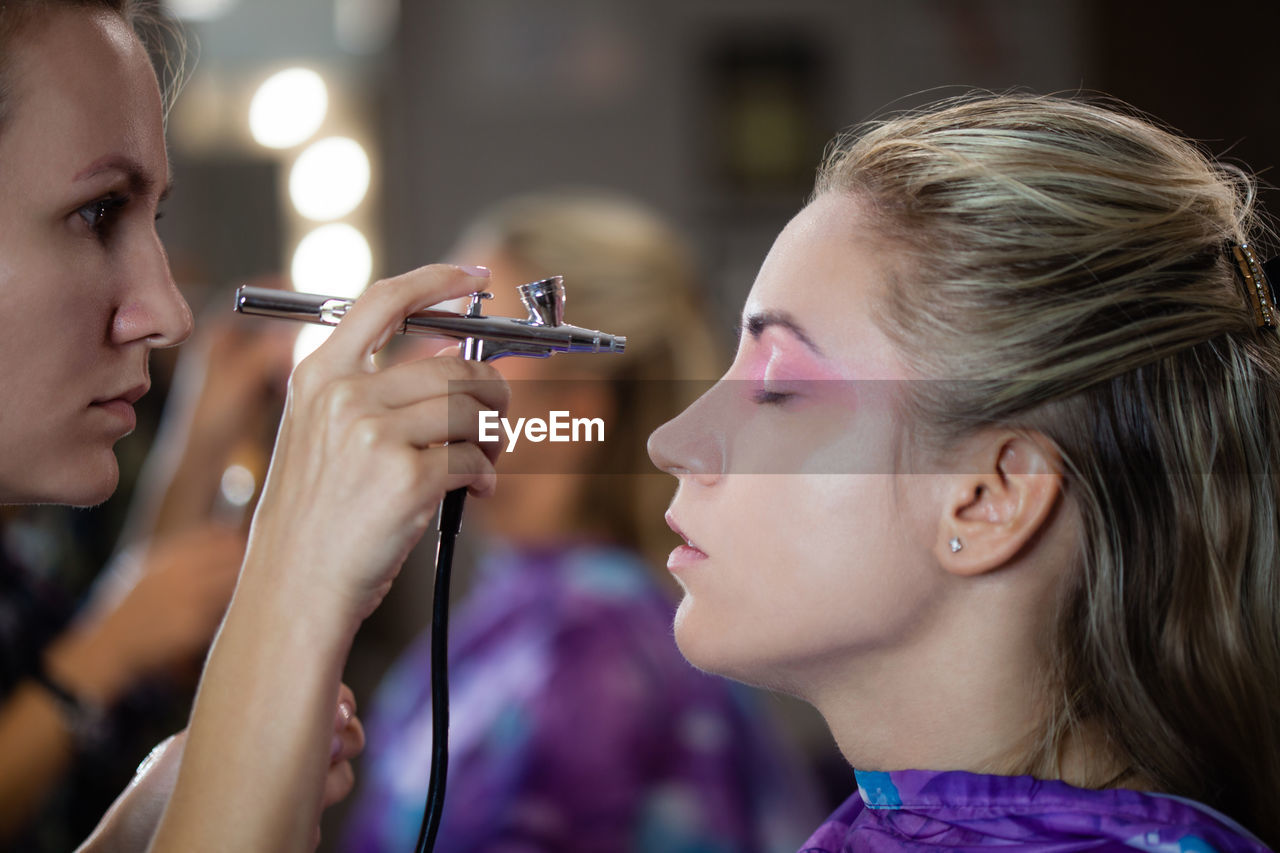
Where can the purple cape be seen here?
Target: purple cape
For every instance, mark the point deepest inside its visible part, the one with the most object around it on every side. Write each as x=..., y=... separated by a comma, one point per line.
x=914, y=809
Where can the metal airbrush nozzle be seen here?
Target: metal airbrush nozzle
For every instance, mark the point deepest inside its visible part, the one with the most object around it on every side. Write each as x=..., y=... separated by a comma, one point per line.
x=544, y=300
x=538, y=336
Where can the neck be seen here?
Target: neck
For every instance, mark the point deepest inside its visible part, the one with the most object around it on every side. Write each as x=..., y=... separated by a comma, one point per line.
x=968, y=694
x=937, y=706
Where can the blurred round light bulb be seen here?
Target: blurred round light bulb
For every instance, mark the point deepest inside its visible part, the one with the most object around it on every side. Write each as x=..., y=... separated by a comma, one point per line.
x=309, y=340
x=238, y=485
x=334, y=260
x=329, y=178
x=288, y=108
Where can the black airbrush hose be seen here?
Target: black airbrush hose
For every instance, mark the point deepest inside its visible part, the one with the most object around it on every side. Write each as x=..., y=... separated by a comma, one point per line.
x=450, y=525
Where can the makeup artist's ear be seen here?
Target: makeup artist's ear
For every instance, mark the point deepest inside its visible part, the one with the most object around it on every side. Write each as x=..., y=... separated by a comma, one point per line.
x=998, y=502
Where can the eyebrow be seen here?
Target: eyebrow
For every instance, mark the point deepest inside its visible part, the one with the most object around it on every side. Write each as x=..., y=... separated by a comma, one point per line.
x=757, y=323
x=139, y=181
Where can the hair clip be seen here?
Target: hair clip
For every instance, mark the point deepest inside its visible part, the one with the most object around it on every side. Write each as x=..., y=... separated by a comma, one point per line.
x=1258, y=284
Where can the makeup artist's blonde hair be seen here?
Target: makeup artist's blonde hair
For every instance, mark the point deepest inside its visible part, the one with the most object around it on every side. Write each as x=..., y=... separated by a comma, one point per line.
x=161, y=35
x=1064, y=263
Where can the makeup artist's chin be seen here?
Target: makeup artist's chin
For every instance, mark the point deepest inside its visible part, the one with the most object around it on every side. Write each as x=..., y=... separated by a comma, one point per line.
x=84, y=478
x=76, y=462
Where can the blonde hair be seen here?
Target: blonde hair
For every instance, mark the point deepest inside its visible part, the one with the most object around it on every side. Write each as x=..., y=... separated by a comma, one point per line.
x=627, y=272
x=1063, y=266
x=164, y=39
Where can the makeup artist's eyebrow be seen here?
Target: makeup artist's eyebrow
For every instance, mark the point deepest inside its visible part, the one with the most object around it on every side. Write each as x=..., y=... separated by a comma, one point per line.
x=139, y=181
x=757, y=323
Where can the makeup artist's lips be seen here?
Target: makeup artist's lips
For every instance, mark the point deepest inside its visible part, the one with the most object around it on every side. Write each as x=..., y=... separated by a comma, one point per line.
x=682, y=555
x=121, y=406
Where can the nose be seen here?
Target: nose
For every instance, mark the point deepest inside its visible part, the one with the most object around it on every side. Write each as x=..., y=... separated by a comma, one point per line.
x=152, y=309
x=692, y=443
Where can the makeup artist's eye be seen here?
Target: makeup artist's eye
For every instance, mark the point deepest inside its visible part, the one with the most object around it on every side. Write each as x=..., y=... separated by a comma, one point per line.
x=765, y=397
x=100, y=214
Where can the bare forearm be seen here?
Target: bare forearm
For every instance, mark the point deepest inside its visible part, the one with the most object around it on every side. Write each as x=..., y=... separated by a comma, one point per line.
x=258, y=746
x=37, y=748
x=35, y=737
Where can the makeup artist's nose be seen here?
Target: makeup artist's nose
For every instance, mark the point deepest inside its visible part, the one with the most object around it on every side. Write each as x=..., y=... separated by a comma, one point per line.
x=151, y=308
x=692, y=443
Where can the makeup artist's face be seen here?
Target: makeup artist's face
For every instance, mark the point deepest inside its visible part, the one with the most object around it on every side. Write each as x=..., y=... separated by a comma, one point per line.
x=806, y=553
x=85, y=289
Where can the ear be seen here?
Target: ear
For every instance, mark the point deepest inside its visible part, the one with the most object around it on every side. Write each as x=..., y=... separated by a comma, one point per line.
x=997, y=506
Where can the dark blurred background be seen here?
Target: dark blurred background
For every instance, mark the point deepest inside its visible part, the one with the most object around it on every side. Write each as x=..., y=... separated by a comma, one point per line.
x=714, y=112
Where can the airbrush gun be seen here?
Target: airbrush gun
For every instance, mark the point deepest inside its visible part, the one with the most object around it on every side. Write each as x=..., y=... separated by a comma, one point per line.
x=483, y=338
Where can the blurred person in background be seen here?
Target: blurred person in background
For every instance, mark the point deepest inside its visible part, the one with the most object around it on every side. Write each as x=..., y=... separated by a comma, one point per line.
x=62, y=681
x=577, y=725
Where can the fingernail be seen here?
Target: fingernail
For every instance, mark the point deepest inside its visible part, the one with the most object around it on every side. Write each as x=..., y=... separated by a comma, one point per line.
x=478, y=272
x=382, y=341
x=345, y=713
x=154, y=755
x=335, y=747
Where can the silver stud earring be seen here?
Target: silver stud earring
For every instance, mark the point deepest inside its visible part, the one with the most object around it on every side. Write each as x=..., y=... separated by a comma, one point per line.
x=955, y=544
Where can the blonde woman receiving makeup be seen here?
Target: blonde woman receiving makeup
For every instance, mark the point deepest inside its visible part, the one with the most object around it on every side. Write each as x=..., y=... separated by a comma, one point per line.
x=1013, y=376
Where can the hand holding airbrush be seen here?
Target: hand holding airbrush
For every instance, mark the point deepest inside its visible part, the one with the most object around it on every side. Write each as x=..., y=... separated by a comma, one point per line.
x=538, y=335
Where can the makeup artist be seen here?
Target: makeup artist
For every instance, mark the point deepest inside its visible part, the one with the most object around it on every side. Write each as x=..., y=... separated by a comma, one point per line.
x=356, y=476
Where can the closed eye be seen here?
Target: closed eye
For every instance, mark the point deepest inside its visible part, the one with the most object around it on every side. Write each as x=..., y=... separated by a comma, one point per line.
x=765, y=397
